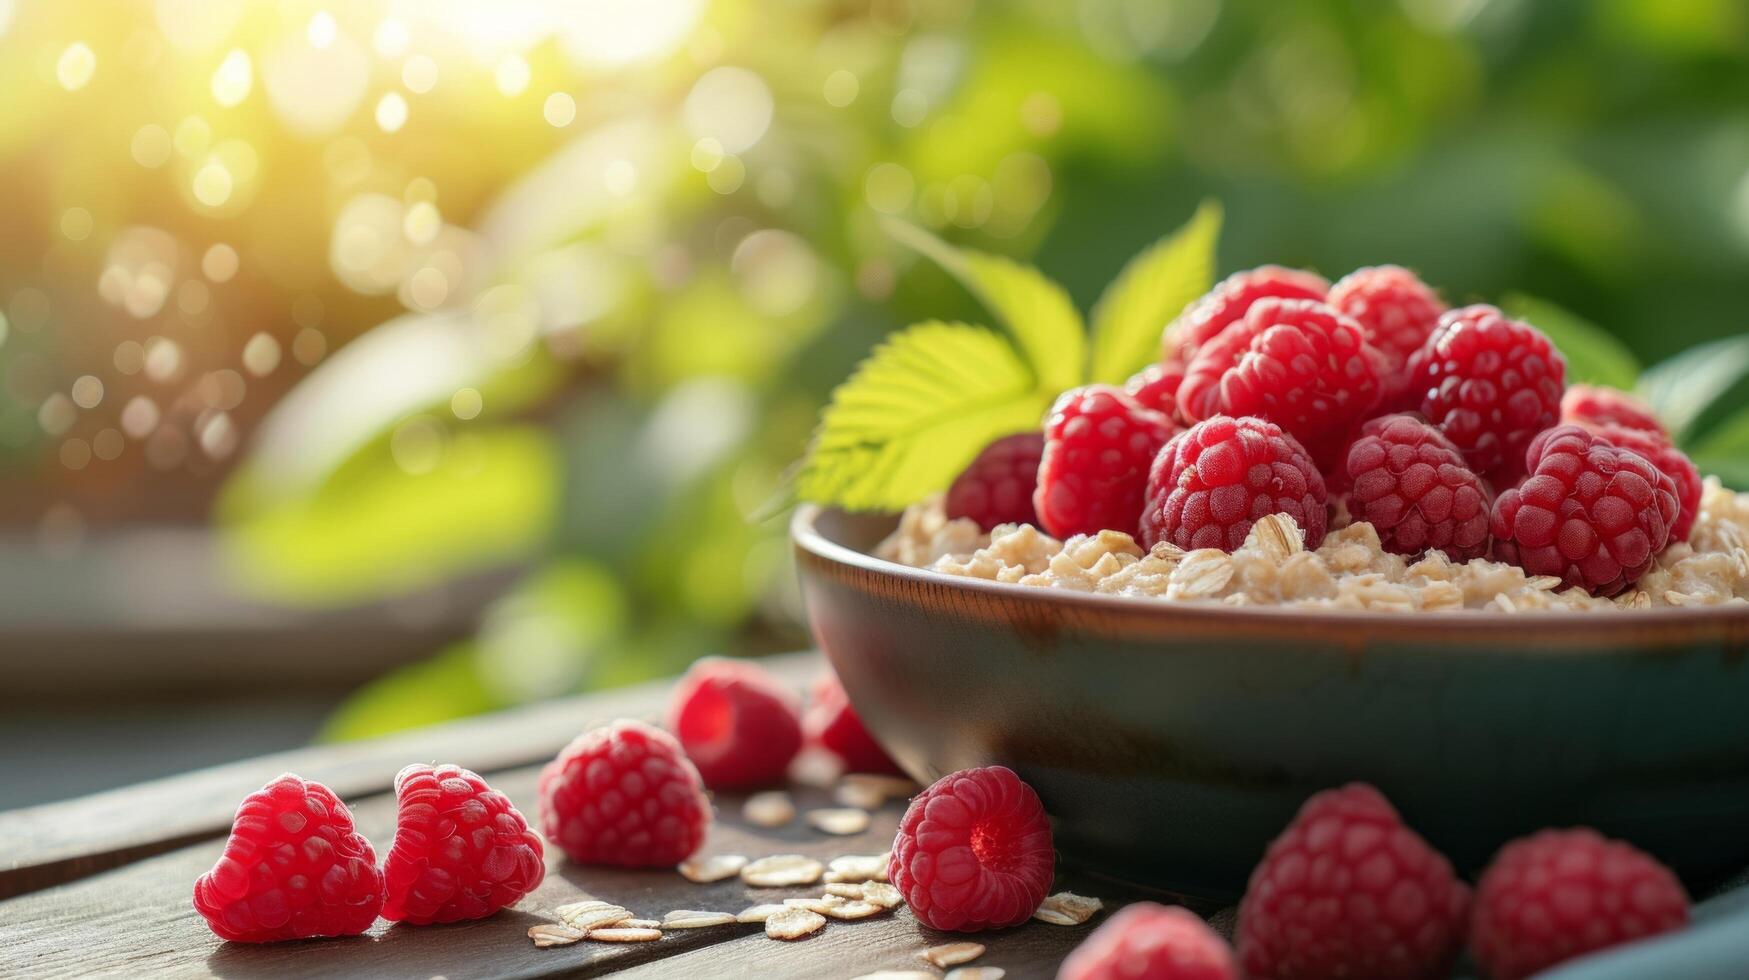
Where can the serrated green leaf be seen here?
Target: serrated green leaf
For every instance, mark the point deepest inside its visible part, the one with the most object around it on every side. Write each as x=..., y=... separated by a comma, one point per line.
x=1033, y=308
x=1724, y=451
x=911, y=417
x=1150, y=291
x=1696, y=388
x=1593, y=355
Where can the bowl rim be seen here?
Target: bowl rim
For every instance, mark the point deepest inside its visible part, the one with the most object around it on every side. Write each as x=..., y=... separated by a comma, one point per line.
x=810, y=540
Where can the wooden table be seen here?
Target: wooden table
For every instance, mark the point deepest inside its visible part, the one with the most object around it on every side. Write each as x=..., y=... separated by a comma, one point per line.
x=101, y=885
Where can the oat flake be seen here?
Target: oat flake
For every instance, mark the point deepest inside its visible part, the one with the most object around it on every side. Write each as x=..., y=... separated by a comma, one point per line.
x=549, y=934
x=770, y=809
x=953, y=954
x=840, y=821
x=782, y=871
x=713, y=868
x=793, y=923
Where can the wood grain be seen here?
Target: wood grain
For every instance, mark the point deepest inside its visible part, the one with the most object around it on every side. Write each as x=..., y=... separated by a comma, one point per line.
x=61, y=842
x=138, y=920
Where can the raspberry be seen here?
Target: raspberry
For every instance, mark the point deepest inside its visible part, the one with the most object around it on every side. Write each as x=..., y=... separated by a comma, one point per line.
x=1412, y=485
x=1146, y=941
x=1156, y=387
x=1098, y=445
x=1672, y=462
x=1220, y=476
x=624, y=795
x=1590, y=513
x=1295, y=362
x=461, y=850
x=1558, y=894
x=737, y=723
x=1397, y=312
x=294, y=868
x=1349, y=891
x=831, y=722
x=997, y=488
x=974, y=852
x=1490, y=384
x=1590, y=405
x=1226, y=304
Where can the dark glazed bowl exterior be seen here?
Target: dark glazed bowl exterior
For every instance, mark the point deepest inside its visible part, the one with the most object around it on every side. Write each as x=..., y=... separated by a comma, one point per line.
x=1171, y=741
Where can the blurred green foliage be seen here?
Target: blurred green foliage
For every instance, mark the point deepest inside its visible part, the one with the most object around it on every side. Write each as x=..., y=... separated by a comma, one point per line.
x=1592, y=155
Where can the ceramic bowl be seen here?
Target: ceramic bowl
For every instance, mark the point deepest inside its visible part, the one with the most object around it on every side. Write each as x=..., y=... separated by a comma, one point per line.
x=1171, y=742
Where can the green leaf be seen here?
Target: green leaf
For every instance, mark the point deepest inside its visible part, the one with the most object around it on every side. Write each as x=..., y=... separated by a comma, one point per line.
x=1593, y=355
x=911, y=417
x=1033, y=308
x=1699, y=386
x=1724, y=451
x=1150, y=291
x=448, y=686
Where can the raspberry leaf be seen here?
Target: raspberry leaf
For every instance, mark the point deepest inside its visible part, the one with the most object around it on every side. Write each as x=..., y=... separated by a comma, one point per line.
x=1696, y=389
x=1033, y=308
x=1593, y=355
x=1150, y=291
x=915, y=413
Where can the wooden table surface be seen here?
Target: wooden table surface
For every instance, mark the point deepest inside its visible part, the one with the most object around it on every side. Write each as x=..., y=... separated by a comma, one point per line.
x=102, y=885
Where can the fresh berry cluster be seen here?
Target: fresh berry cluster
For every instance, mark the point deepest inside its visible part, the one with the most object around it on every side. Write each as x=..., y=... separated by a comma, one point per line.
x=1280, y=393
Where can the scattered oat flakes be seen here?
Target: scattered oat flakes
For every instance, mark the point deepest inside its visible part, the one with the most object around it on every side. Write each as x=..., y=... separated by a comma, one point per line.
x=769, y=809
x=976, y=973
x=552, y=934
x=841, y=821
x=1067, y=909
x=952, y=954
x=689, y=919
x=820, y=904
x=793, y=923
x=616, y=934
x=759, y=913
x=844, y=889
x=856, y=868
x=782, y=871
x=714, y=868
x=852, y=910
x=591, y=914
x=860, y=795
x=638, y=924
x=882, y=894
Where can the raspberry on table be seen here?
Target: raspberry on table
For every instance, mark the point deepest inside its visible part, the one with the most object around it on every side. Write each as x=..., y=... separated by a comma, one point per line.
x=624, y=795
x=1349, y=891
x=1222, y=475
x=1490, y=384
x=1413, y=486
x=1147, y=941
x=1098, y=445
x=1590, y=513
x=293, y=868
x=1226, y=304
x=1601, y=405
x=997, y=487
x=1297, y=363
x=738, y=724
x=832, y=723
x=1672, y=462
x=974, y=852
x=461, y=850
x=1156, y=387
x=1558, y=894
x=1397, y=312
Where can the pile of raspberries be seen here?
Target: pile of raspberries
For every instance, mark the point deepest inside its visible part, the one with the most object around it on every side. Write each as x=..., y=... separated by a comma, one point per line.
x=1445, y=429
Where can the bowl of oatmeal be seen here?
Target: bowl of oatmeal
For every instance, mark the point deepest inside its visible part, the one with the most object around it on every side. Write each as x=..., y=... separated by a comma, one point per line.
x=1173, y=707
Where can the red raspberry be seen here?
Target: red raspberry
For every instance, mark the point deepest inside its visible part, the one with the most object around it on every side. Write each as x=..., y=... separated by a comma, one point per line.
x=1412, y=485
x=294, y=868
x=1558, y=894
x=1098, y=445
x=739, y=725
x=1226, y=304
x=832, y=723
x=997, y=488
x=1591, y=513
x=1490, y=384
x=461, y=850
x=974, y=852
x=624, y=795
x=1672, y=462
x=1146, y=941
x=1156, y=387
x=1590, y=405
x=1219, y=477
x=1349, y=891
x=1295, y=362
x=1395, y=309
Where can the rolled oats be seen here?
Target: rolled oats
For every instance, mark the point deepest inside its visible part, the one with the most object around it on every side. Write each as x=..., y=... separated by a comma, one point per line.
x=617, y=934
x=839, y=821
x=759, y=913
x=549, y=934
x=793, y=923
x=782, y=871
x=591, y=914
x=952, y=954
x=882, y=894
x=770, y=809
x=1067, y=909
x=858, y=868
x=717, y=867
x=976, y=973
x=690, y=919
